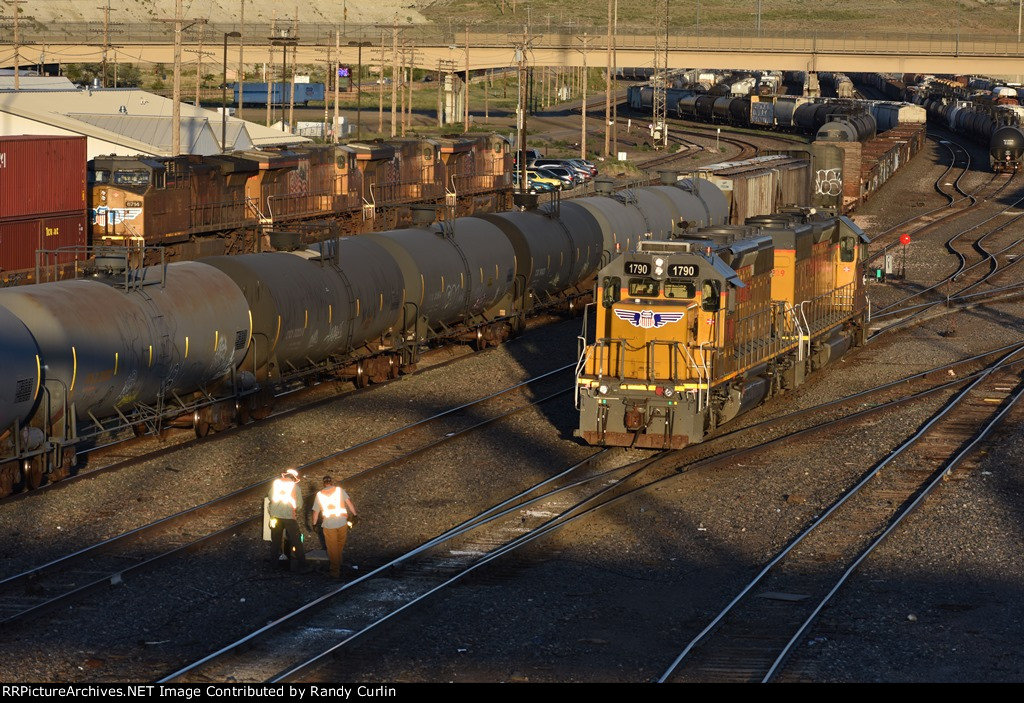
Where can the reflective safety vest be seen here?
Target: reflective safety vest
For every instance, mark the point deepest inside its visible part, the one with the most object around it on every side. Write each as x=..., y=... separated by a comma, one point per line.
x=333, y=503
x=284, y=492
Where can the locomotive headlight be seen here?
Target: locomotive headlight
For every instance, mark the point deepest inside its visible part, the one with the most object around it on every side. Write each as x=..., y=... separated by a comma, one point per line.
x=658, y=271
x=603, y=389
x=659, y=262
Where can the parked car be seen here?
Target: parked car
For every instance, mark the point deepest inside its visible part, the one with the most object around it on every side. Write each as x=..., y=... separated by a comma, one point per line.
x=570, y=177
x=533, y=186
x=539, y=176
x=584, y=164
x=583, y=172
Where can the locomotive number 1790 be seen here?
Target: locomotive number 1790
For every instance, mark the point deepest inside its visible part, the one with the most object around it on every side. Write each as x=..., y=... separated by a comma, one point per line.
x=683, y=270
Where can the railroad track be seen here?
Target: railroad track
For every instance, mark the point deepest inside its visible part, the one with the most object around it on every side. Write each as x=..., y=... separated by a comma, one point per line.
x=953, y=292
x=67, y=579
x=751, y=638
x=958, y=202
x=281, y=650
x=666, y=467
x=327, y=625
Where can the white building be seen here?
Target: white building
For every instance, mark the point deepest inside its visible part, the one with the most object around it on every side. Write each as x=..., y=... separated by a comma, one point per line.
x=125, y=121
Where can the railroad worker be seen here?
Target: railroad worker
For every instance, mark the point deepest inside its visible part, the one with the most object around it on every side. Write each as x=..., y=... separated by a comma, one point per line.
x=334, y=503
x=285, y=507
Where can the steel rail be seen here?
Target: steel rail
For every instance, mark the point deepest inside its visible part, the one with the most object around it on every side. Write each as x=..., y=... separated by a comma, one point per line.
x=834, y=507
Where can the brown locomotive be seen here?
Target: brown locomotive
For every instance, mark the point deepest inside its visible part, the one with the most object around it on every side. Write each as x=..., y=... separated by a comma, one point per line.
x=208, y=205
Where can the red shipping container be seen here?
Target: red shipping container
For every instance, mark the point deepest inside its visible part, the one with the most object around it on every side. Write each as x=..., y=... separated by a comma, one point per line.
x=20, y=239
x=42, y=175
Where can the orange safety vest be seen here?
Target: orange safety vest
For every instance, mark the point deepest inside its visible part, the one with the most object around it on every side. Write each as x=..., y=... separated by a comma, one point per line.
x=333, y=503
x=284, y=492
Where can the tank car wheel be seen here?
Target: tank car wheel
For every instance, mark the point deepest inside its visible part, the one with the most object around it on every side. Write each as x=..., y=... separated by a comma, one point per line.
x=243, y=413
x=202, y=428
x=361, y=380
x=32, y=469
x=481, y=341
x=139, y=429
x=393, y=367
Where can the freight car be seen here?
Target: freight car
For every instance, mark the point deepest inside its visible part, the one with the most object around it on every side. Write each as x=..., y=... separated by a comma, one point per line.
x=222, y=204
x=207, y=342
x=1006, y=148
x=255, y=94
x=857, y=120
x=42, y=204
x=997, y=126
x=692, y=332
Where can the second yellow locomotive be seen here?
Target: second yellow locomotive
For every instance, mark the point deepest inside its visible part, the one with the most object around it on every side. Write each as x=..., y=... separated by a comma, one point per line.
x=691, y=332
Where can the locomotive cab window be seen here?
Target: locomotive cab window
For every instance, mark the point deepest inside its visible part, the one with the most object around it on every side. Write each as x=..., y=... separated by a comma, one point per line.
x=643, y=288
x=685, y=290
x=847, y=249
x=710, y=292
x=612, y=286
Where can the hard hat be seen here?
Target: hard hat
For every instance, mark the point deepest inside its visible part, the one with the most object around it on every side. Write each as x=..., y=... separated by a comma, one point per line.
x=293, y=473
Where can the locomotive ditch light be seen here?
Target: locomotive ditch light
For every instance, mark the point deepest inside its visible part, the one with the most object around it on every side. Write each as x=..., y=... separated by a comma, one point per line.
x=603, y=389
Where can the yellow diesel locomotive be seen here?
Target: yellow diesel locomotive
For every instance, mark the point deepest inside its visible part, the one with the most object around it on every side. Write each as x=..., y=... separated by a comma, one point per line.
x=691, y=332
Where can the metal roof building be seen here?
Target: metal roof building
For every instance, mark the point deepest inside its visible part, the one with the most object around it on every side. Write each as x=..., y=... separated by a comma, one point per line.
x=128, y=121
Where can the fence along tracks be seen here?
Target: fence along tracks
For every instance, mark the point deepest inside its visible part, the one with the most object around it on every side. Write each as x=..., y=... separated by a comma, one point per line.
x=753, y=635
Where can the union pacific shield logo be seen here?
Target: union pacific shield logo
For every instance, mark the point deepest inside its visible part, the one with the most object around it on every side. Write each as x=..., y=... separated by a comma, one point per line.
x=647, y=319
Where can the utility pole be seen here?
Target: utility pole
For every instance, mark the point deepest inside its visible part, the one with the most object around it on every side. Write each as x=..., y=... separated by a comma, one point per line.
x=295, y=57
x=608, y=89
x=394, y=79
x=440, y=104
x=465, y=97
x=331, y=67
x=401, y=96
x=337, y=67
x=269, y=77
x=615, y=78
x=380, y=88
x=106, y=39
x=17, y=43
x=522, y=46
x=176, y=99
x=240, y=78
x=199, y=62
x=583, y=109
x=412, y=63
